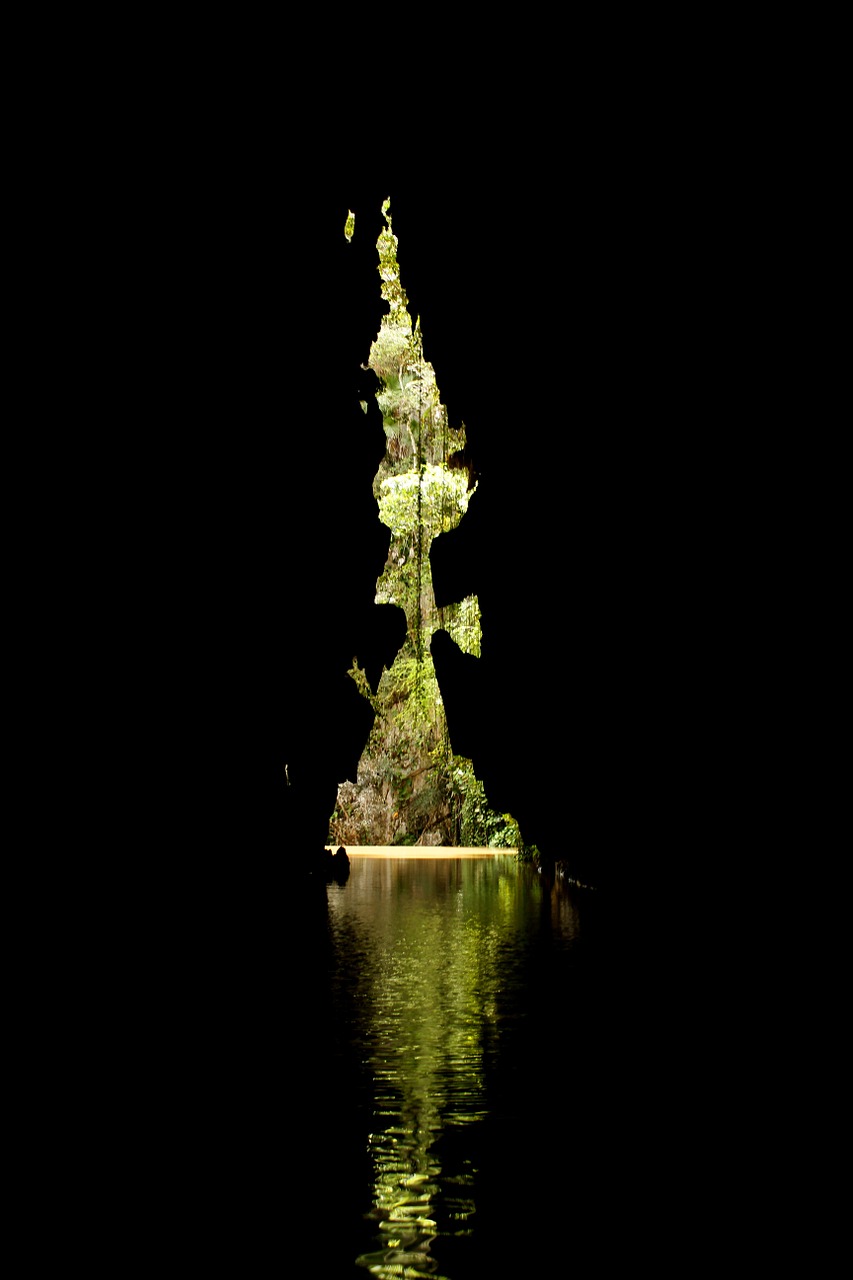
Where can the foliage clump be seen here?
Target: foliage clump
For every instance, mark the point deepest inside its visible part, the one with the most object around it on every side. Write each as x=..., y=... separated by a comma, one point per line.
x=410, y=787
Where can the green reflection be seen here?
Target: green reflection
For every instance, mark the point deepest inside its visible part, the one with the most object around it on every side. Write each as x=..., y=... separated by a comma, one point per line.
x=432, y=940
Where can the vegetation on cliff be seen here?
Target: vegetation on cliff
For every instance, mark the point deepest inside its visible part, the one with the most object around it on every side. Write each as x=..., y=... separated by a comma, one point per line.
x=410, y=787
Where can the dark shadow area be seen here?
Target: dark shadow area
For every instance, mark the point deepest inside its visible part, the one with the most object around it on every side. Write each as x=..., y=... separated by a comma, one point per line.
x=562, y=346
x=563, y=342
x=566, y=348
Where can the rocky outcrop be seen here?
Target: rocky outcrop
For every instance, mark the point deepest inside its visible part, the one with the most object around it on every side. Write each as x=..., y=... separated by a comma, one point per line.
x=330, y=866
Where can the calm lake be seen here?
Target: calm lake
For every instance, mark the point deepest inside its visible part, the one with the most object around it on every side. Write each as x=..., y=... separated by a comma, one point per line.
x=457, y=1012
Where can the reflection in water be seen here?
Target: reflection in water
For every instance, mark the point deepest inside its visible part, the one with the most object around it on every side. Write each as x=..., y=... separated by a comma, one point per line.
x=431, y=961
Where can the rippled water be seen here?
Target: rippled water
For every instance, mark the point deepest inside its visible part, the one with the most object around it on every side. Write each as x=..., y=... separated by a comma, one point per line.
x=458, y=995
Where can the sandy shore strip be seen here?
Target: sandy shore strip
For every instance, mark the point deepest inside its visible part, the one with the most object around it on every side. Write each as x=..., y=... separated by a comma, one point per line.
x=414, y=851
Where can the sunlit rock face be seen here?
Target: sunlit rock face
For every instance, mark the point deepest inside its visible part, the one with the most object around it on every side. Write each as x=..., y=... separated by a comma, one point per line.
x=410, y=788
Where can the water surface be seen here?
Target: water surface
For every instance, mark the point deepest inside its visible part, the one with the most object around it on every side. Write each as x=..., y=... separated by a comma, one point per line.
x=458, y=999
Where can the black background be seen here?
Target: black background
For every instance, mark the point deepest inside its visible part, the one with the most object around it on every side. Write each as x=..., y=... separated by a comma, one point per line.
x=576, y=328
x=594, y=300
x=589, y=299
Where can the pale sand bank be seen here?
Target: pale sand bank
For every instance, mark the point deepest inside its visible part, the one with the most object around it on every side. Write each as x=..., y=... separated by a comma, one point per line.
x=413, y=851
